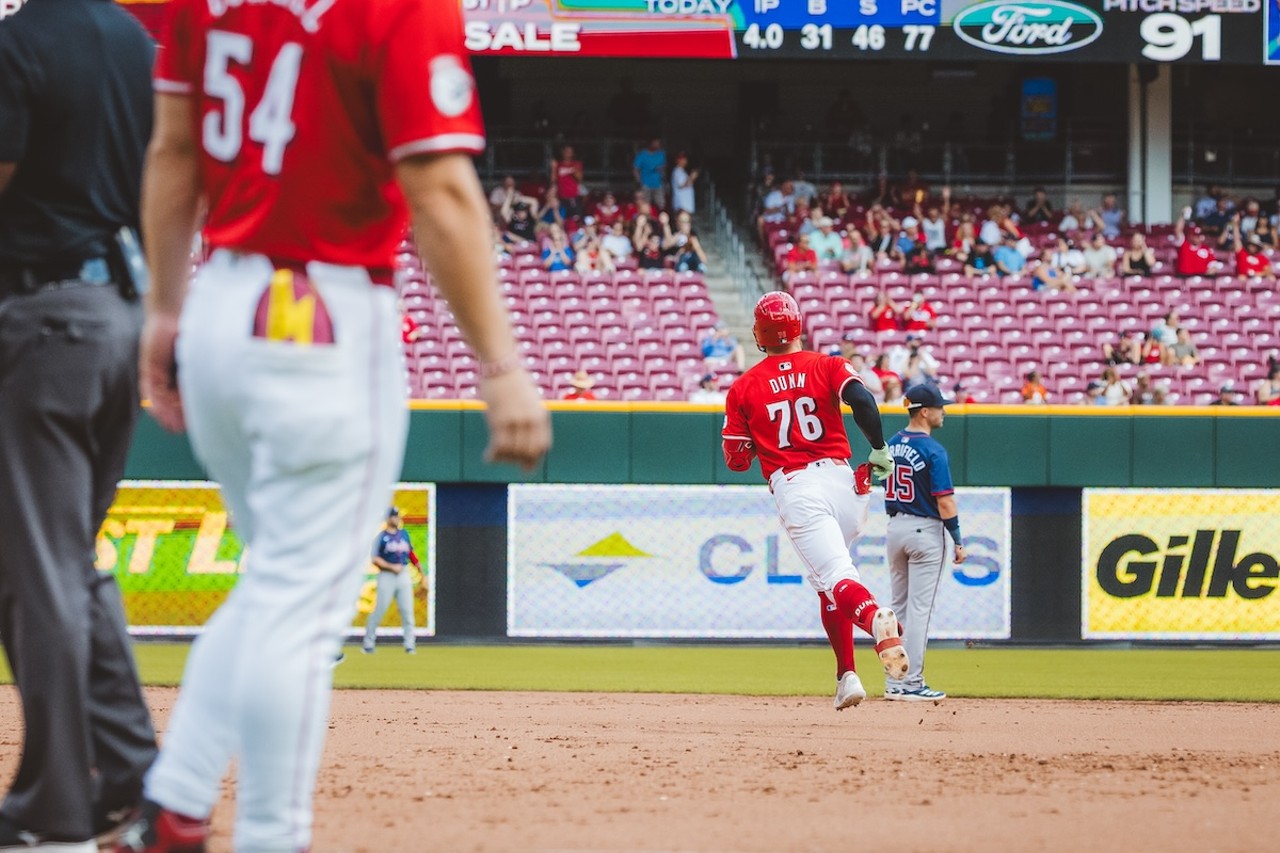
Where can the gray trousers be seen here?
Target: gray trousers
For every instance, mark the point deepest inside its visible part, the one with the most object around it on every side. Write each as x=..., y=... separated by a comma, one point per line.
x=68, y=403
x=917, y=550
x=400, y=588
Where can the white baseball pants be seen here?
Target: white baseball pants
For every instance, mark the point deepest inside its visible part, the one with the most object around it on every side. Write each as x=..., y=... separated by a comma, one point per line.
x=918, y=549
x=822, y=515
x=396, y=587
x=306, y=442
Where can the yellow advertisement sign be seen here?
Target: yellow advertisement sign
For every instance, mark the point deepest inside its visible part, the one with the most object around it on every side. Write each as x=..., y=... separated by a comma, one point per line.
x=1181, y=564
x=176, y=556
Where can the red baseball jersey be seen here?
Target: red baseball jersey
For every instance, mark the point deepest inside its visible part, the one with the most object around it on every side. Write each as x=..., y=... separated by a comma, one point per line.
x=302, y=110
x=788, y=406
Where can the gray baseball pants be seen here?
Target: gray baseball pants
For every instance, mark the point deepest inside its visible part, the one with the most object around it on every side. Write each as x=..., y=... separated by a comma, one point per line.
x=400, y=588
x=917, y=548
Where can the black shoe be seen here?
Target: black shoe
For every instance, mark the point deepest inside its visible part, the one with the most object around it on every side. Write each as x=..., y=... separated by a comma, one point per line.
x=14, y=838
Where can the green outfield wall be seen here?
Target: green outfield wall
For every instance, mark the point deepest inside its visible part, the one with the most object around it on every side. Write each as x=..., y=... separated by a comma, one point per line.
x=1047, y=446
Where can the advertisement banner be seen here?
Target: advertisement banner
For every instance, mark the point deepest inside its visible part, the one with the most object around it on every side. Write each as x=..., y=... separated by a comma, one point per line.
x=176, y=556
x=714, y=561
x=1181, y=564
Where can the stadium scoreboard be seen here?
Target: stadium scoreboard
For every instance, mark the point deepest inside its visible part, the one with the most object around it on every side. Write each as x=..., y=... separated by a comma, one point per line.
x=1125, y=31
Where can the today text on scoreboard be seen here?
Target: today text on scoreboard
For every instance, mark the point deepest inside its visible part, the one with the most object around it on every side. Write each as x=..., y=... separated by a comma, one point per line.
x=1142, y=31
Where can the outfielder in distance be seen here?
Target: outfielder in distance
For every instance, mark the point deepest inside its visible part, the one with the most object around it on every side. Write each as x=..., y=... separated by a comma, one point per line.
x=921, y=503
x=786, y=411
x=392, y=554
x=310, y=132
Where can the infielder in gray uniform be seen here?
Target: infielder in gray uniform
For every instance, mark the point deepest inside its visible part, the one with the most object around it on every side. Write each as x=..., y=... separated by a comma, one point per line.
x=923, y=527
x=392, y=554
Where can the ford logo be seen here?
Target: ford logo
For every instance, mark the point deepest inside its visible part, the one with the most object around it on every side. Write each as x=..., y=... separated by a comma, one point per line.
x=1031, y=27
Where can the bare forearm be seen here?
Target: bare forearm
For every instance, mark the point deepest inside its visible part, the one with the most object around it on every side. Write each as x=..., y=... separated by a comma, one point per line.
x=170, y=205
x=947, y=506
x=451, y=223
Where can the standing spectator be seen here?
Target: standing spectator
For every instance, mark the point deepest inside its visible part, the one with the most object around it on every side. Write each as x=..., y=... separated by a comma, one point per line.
x=800, y=258
x=1194, y=257
x=919, y=316
x=558, y=255
x=1184, y=350
x=1033, y=390
x=305, y=440
x=580, y=385
x=1099, y=257
x=825, y=242
x=393, y=554
x=617, y=243
x=1250, y=261
x=1267, y=391
x=981, y=261
x=650, y=169
x=75, y=114
x=921, y=518
x=1008, y=260
x=1115, y=391
x=884, y=314
x=1227, y=396
x=566, y=177
x=1138, y=259
x=1110, y=216
x=682, y=178
x=857, y=255
x=721, y=348
x=708, y=391
x=1038, y=208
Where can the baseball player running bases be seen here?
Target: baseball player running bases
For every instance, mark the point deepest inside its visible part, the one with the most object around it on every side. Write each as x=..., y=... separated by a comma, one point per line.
x=924, y=524
x=785, y=411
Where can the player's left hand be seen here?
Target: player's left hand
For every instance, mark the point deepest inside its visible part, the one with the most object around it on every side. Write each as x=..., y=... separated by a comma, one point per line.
x=158, y=370
x=881, y=462
x=961, y=554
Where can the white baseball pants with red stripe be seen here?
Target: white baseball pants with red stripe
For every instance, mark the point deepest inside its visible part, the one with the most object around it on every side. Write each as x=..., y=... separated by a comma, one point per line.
x=306, y=442
x=822, y=515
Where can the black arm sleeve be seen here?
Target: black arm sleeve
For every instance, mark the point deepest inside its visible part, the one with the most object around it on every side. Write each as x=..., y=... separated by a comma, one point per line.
x=866, y=412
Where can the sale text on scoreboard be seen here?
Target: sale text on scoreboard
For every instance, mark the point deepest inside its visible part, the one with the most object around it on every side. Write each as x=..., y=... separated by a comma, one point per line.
x=1153, y=31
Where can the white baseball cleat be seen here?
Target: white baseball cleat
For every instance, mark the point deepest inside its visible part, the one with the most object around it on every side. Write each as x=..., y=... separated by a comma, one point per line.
x=923, y=693
x=884, y=627
x=849, y=691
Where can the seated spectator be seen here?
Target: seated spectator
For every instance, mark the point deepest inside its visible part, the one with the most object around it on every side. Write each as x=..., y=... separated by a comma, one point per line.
x=1227, y=396
x=1049, y=276
x=1115, y=391
x=1217, y=220
x=682, y=243
x=1109, y=217
x=607, y=210
x=1033, y=390
x=809, y=222
x=1143, y=391
x=651, y=256
x=1126, y=350
x=860, y=366
x=707, y=391
x=917, y=261
x=1267, y=391
x=1265, y=232
x=1075, y=219
x=961, y=395
x=551, y=212
x=500, y=247
x=521, y=228
x=857, y=255
x=892, y=389
x=966, y=237
x=641, y=228
x=1154, y=352
x=616, y=242
x=919, y=316
x=640, y=206
x=907, y=240
x=981, y=261
x=1165, y=330
x=777, y=206
x=805, y=190
x=799, y=258
x=587, y=232
x=825, y=242
x=505, y=197
x=917, y=373
x=882, y=231
x=1160, y=393
x=1184, y=350
x=558, y=255
x=884, y=314
x=912, y=191
x=1207, y=203
x=900, y=355
x=1008, y=260
x=1093, y=393
x=1250, y=216
x=410, y=331
x=1099, y=257
x=1250, y=261
x=1068, y=258
x=990, y=232
x=722, y=347
x=580, y=386
x=1138, y=259
x=835, y=201
x=1194, y=257
x=591, y=257
x=934, y=225
x=1038, y=208
x=880, y=367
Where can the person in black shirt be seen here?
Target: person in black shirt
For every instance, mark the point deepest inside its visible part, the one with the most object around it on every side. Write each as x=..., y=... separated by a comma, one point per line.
x=76, y=111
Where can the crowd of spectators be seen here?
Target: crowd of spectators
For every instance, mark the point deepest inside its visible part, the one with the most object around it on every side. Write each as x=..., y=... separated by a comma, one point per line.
x=904, y=229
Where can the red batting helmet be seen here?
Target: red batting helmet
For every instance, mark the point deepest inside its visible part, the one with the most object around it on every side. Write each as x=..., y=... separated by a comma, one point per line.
x=777, y=320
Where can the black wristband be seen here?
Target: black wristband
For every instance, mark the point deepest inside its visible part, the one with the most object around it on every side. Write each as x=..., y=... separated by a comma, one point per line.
x=953, y=527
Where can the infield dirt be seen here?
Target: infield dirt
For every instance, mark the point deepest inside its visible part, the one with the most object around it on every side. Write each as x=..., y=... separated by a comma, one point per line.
x=479, y=771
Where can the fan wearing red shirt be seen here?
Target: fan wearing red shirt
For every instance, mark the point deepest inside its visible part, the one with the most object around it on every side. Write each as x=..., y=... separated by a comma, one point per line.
x=308, y=130
x=799, y=258
x=919, y=316
x=884, y=314
x=566, y=176
x=785, y=411
x=1194, y=257
x=1250, y=261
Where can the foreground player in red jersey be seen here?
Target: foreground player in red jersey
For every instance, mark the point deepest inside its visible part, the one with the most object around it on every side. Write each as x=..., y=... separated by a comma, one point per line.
x=786, y=412
x=308, y=129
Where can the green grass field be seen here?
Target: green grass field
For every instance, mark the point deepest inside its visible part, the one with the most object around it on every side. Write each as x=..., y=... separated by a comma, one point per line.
x=1247, y=675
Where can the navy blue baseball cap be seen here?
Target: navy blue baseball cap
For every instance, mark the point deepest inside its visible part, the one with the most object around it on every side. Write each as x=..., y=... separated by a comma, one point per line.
x=395, y=510
x=926, y=396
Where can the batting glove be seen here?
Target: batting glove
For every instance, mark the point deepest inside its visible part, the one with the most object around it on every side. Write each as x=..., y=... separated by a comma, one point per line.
x=881, y=462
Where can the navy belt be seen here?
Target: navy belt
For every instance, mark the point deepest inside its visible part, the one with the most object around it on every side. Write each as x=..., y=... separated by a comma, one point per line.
x=35, y=278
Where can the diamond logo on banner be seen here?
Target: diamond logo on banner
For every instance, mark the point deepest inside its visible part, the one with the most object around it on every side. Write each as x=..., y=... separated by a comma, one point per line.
x=611, y=547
